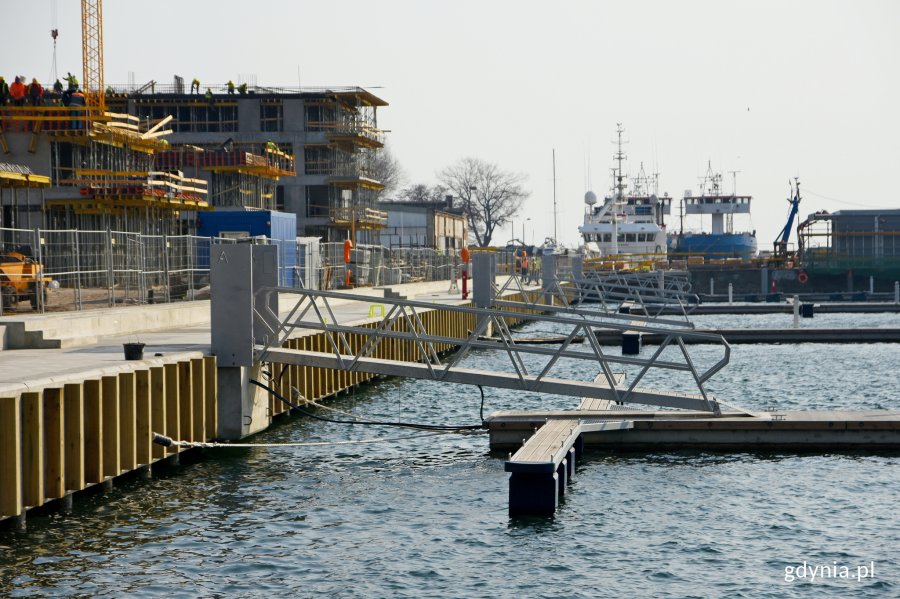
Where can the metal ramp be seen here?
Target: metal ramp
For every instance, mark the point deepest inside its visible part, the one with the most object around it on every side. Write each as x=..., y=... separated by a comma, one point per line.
x=530, y=368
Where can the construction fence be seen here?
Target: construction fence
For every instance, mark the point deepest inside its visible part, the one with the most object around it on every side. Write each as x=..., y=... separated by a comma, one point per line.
x=80, y=270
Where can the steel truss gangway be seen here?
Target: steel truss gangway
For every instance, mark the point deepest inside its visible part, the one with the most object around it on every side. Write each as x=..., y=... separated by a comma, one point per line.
x=530, y=368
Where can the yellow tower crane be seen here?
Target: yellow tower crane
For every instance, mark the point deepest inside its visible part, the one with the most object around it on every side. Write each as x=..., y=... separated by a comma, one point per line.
x=92, y=56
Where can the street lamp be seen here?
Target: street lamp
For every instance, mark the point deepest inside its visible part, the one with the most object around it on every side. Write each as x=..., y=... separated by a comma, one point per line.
x=523, y=229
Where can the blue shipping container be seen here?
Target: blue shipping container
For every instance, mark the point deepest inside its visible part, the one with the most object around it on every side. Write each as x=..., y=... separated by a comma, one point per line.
x=279, y=227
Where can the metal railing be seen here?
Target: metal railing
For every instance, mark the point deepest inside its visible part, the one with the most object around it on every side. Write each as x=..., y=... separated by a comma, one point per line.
x=97, y=269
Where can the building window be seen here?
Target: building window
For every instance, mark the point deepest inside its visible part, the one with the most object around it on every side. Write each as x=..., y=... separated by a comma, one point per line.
x=271, y=115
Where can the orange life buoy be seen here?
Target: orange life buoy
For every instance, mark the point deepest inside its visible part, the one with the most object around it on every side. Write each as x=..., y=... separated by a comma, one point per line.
x=464, y=254
x=348, y=245
x=802, y=278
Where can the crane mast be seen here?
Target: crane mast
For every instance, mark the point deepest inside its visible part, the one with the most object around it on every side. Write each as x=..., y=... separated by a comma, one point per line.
x=92, y=56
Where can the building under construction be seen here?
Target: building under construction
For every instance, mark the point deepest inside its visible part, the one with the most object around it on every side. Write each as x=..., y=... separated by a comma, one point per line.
x=334, y=187
x=157, y=155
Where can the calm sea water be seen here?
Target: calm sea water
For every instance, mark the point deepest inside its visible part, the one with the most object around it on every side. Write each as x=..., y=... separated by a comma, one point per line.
x=426, y=516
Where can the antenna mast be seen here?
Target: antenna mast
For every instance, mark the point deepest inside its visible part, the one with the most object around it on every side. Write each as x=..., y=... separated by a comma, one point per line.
x=554, y=196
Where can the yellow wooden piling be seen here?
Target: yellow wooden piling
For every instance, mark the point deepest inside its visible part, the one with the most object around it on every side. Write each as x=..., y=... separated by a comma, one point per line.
x=211, y=389
x=32, y=449
x=93, y=432
x=54, y=443
x=10, y=457
x=186, y=401
x=172, y=403
x=143, y=416
x=111, y=431
x=128, y=419
x=198, y=396
x=74, y=431
x=158, y=405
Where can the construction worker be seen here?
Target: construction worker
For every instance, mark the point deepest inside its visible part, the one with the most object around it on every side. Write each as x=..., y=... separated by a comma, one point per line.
x=17, y=92
x=57, y=87
x=35, y=92
x=207, y=95
x=524, y=266
x=76, y=98
x=72, y=81
x=242, y=89
x=195, y=84
x=4, y=91
x=231, y=87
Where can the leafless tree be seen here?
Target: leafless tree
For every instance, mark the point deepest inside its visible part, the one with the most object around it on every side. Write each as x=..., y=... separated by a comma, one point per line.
x=420, y=192
x=388, y=171
x=490, y=195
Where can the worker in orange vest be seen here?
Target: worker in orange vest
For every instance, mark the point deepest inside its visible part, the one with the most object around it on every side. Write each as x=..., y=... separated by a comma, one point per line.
x=17, y=92
x=524, y=265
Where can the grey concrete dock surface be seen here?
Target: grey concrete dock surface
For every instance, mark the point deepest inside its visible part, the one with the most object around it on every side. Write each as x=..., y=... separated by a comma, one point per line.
x=94, y=340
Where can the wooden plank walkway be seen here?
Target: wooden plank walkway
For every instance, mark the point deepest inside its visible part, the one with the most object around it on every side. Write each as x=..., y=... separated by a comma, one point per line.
x=777, y=308
x=781, y=335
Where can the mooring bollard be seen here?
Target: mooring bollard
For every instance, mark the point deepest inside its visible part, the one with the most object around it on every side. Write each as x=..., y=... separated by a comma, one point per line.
x=796, y=311
x=730, y=293
x=712, y=286
x=897, y=292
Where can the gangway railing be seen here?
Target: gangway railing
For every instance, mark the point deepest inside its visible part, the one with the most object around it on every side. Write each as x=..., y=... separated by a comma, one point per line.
x=313, y=311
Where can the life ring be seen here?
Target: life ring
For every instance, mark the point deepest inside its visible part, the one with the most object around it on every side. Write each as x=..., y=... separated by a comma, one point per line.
x=802, y=278
x=348, y=245
x=464, y=254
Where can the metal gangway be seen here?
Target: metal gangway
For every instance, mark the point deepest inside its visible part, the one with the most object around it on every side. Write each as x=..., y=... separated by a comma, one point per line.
x=530, y=368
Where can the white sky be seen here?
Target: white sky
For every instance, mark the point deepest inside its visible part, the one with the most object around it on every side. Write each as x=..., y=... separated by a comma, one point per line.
x=510, y=81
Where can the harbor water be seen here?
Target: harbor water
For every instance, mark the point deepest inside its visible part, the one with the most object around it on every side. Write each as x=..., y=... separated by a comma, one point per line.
x=425, y=515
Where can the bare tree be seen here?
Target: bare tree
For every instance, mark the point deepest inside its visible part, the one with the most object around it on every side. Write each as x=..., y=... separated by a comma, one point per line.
x=387, y=170
x=490, y=195
x=420, y=192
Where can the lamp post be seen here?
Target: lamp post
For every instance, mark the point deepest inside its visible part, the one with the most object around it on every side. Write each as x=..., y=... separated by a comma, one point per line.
x=523, y=229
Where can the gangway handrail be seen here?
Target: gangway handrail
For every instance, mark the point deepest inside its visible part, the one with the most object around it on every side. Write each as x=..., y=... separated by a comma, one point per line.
x=582, y=322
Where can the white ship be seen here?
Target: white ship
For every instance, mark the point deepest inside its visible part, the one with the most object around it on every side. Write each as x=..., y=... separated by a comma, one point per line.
x=630, y=226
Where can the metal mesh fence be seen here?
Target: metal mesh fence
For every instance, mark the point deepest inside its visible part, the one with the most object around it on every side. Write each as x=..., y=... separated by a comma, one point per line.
x=81, y=270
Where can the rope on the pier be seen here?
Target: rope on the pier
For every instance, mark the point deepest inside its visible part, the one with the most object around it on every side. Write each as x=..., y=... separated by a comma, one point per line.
x=169, y=442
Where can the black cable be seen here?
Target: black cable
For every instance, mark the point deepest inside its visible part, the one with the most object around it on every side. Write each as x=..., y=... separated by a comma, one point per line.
x=481, y=410
x=424, y=427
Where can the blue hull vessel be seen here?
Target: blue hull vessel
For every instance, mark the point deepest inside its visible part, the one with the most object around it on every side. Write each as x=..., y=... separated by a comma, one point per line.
x=712, y=245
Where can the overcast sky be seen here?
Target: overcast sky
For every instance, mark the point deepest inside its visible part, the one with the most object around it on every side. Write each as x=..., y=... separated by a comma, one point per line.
x=771, y=89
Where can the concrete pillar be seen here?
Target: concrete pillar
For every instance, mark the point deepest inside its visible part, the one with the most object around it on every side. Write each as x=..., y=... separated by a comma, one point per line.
x=712, y=286
x=578, y=267
x=548, y=272
x=897, y=292
x=730, y=293
x=764, y=280
x=796, y=312
x=483, y=292
x=236, y=272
